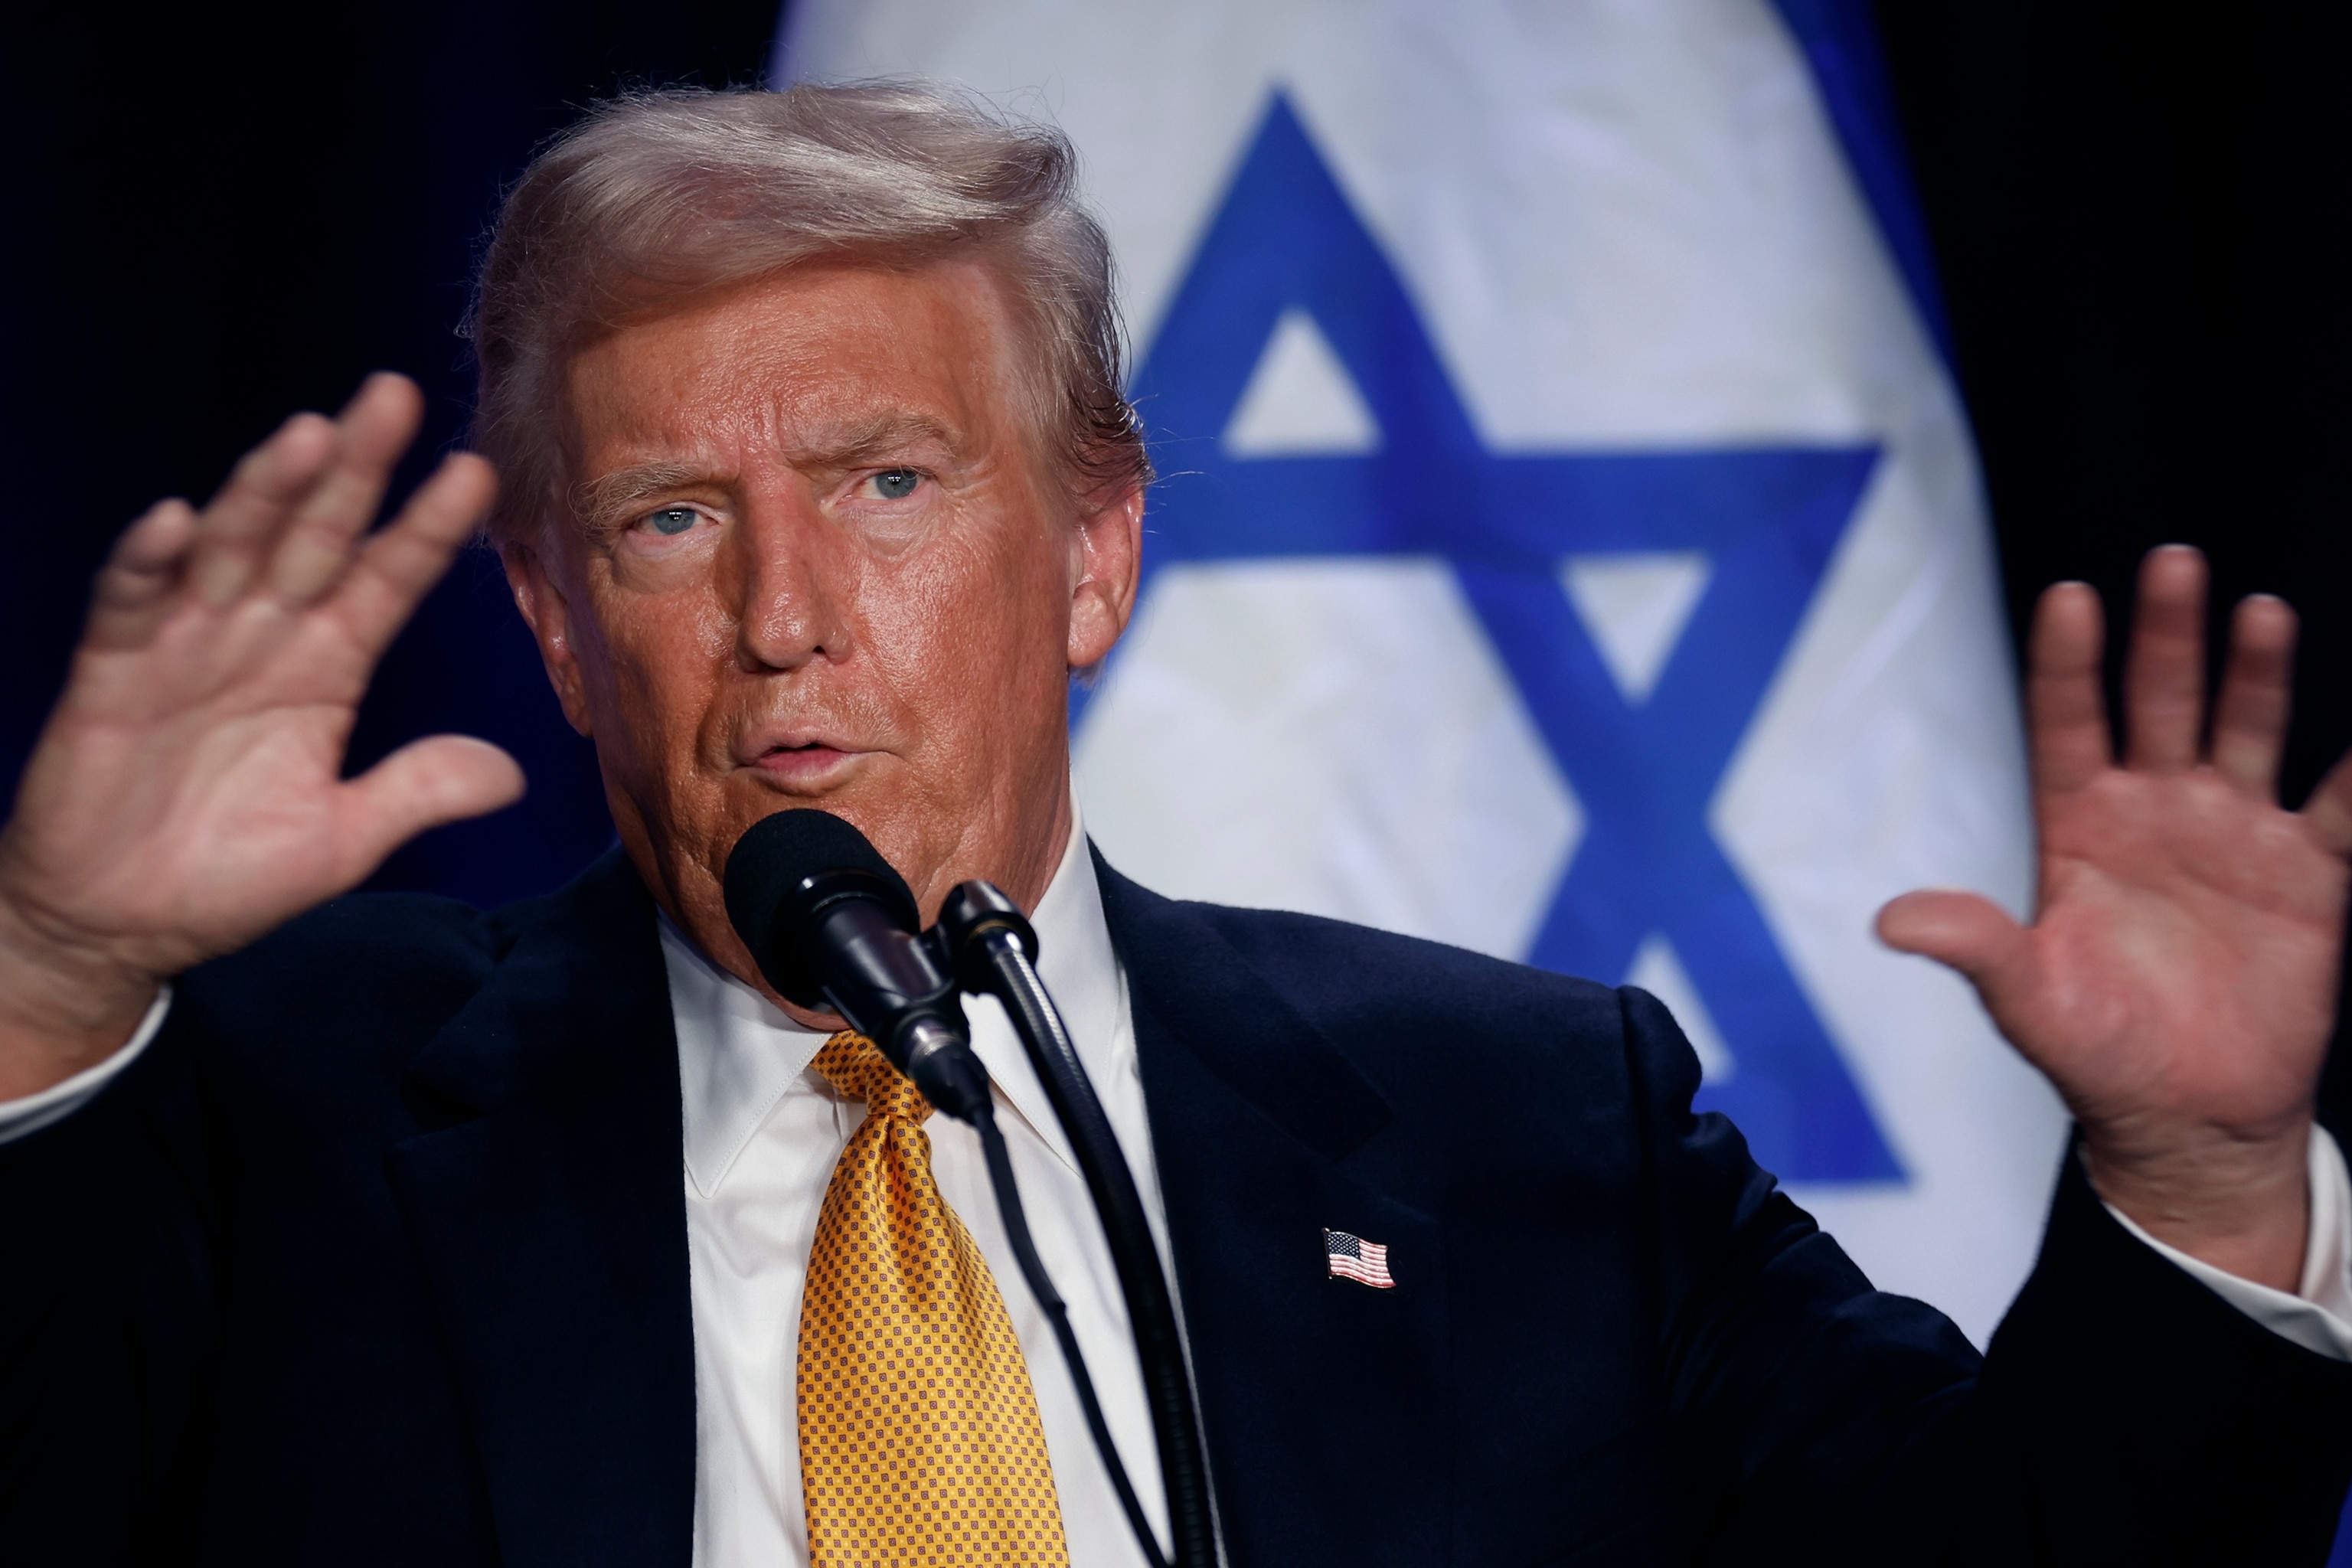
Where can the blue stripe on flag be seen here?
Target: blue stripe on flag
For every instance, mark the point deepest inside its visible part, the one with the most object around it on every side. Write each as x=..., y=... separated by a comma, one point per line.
x=1840, y=46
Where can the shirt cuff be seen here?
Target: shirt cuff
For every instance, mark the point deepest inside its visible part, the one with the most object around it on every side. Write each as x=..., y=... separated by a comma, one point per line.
x=22, y=1118
x=2318, y=1316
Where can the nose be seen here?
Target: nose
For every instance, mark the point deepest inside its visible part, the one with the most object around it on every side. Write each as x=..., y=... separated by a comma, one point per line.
x=787, y=603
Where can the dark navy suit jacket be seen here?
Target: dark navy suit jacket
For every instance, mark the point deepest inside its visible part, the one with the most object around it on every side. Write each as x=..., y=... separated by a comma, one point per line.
x=379, y=1256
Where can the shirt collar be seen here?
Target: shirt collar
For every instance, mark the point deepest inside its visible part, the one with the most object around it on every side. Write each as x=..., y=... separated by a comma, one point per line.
x=739, y=1053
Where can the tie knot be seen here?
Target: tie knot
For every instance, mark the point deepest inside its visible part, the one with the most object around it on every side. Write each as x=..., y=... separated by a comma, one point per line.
x=858, y=1070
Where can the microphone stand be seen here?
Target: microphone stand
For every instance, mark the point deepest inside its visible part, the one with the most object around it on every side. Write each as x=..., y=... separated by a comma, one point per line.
x=990, y=947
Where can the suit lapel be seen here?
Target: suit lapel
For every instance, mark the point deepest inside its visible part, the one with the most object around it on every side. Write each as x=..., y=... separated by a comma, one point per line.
x=549, y=1211
x=1323, y=1400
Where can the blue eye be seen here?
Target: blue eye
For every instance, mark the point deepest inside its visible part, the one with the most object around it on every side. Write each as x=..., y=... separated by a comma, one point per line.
x=671, y=520
x=896, y=484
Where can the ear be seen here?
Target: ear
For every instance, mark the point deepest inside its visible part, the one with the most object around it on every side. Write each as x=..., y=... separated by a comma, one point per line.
x=548, y=614
x=1106, y=568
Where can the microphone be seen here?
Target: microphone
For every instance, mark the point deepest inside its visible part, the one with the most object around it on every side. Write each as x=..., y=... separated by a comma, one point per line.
x=832, y=925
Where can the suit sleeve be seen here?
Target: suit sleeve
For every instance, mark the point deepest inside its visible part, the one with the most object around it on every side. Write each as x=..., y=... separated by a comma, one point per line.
x=108, y=1251
x=2124, y=1412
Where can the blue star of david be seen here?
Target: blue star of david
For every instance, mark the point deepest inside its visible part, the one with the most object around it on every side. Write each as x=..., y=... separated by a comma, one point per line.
x=1644, y=770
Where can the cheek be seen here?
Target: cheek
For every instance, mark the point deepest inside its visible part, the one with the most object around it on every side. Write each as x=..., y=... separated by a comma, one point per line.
x=915, y=619
x=961, y=640
x=976, y=613
x=657, y=665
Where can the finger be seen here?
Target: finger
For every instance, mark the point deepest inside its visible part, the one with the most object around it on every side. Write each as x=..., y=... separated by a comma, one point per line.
x=2066, y=712
x=2328, y=812
x=254, y=505
x=135, y=589
x=2164, y=680
x=1963, y=932
x=403, y=559
x=442, y=778
x=2257, y=689
x=374, y=430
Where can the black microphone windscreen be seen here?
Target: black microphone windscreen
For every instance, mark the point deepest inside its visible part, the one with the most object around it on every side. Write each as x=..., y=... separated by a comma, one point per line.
x=787, y=867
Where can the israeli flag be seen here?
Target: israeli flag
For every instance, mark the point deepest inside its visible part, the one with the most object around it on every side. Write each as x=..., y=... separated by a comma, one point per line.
x=1570, y=546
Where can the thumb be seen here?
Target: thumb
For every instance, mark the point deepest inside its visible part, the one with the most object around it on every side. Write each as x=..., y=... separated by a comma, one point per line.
x=2328, y=811
x=1963, y=930
x=442, y=778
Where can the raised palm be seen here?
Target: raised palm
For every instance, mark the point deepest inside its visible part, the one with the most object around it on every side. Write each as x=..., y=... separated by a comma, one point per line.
x=187, y=795
x=2178, y=984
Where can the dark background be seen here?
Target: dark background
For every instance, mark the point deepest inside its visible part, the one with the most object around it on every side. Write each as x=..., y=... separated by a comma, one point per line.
x=2139, y=217
x=2142, y=218
x=221, y=214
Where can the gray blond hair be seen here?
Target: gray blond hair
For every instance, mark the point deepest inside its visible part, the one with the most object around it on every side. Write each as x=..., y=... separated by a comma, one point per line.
x=654, y=197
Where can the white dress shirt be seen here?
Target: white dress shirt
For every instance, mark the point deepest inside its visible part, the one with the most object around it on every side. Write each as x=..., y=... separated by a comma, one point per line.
x=761, y=1134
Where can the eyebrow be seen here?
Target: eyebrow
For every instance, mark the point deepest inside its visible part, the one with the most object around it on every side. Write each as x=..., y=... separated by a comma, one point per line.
x=859, y=441
x=602, y=503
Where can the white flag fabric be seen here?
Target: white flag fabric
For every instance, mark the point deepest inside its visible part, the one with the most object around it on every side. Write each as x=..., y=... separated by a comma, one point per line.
x=1569, y=545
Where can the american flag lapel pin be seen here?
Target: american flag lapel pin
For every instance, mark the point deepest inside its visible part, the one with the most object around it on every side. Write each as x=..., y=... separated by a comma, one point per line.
x=1353, y=1257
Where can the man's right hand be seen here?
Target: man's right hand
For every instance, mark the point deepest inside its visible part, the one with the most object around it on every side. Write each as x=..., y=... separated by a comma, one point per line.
x=187, y=795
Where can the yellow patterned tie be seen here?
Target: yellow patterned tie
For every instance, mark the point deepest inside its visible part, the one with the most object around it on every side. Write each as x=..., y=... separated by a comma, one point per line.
x=920, y=1441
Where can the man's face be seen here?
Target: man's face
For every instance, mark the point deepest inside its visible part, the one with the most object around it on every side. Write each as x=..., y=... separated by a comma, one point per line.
x=820, y=560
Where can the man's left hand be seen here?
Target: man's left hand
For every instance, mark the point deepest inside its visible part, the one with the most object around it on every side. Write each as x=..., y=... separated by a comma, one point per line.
x=2178, y=982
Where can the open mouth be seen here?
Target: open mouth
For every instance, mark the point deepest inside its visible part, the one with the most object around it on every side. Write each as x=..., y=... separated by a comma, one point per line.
x=802, y=762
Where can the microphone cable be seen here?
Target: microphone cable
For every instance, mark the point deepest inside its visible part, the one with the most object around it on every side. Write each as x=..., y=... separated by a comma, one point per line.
x=1041, y=1286
x=991, y=944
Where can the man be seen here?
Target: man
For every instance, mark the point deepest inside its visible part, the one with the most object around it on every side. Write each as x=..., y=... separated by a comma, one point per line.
x=403, y=1232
